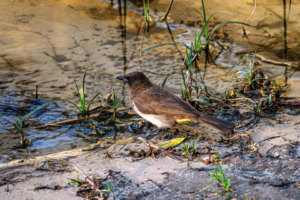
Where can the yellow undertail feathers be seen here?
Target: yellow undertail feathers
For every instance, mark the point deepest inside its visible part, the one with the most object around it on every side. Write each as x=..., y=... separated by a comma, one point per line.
x=182, y=120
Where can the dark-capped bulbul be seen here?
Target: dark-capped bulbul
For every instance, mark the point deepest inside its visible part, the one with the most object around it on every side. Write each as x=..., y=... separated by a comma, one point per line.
x=163, y=108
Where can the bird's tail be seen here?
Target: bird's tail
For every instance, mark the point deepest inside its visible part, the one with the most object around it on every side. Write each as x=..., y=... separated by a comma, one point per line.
x=216, y=123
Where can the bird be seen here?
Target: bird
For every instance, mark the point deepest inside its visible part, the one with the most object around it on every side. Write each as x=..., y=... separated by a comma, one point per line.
x=163, y=108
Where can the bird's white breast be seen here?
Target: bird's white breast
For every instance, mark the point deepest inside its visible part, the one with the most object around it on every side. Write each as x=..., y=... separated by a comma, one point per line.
x=149, y=117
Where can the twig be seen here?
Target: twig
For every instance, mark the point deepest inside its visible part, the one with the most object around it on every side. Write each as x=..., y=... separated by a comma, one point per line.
x=237, y=136
x=158, y=148
x=77, y=119
x=251, y=152
x=242, y=98
x=149, y=144
x=87, y=178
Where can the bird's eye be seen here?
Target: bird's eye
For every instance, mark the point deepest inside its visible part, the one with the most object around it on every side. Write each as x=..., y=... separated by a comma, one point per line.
x=130, y=79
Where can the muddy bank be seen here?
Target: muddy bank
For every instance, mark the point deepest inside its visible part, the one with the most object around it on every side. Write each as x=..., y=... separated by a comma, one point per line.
x=50, y=43
x=274, y=175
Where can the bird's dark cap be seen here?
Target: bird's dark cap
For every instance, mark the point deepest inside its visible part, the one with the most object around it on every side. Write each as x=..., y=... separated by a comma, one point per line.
x=136, y=81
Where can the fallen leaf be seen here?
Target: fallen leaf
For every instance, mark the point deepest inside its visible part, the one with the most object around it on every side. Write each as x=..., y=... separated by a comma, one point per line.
x=171, y=143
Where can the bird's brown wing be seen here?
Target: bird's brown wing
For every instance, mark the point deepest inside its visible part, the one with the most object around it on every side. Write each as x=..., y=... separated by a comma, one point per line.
x=159, y=101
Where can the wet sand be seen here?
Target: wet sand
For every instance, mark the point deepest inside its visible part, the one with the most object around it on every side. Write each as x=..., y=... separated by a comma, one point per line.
x=50, y=43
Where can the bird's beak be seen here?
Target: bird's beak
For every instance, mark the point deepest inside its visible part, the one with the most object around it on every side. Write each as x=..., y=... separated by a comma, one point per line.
x=122, y=78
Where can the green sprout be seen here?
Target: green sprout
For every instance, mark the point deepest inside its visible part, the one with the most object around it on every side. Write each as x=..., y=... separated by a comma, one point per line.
x=219, y=176
x=188, y=151
x=81, y=93
x=249, y=76
x=258, y=109
x=105, y=193
x=146, y=12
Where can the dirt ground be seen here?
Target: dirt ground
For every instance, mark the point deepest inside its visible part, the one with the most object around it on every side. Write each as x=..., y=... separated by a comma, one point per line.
x=273, y=175
x=50, y=43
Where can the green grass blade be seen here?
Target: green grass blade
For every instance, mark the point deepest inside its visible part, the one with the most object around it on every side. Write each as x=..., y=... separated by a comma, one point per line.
x=236, y=64
x=144, y=4
x=162, y=45
x=228, y=185
x=163, y=84
x=191, y=50
x=74, y=181
x=80, y=97
x=182, y=74
x=115, y=185
x=21, y=124
x=204, y=19
x=193, y=58
x=205, y=25
x=195, y=88
x=195, y=36
x=199, y=42
x=108, y=186
x=242, y=72
x=202, y=101
x=182, y=94
x=83, y=94
x=199, y=14
x=88, y=108
x=115, y=100
x=17, y=128
x=187, y=57
x=148, y=15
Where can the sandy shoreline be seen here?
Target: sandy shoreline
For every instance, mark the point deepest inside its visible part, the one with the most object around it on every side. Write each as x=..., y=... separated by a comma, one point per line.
x=50, y=43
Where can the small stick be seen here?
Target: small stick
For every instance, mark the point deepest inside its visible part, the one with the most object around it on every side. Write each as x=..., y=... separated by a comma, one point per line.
x=242, y=98
x=150, y=145
x=77, y=119
x=86, y=178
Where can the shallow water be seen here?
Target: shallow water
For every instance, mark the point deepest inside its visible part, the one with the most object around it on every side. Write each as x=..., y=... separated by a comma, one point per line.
x=50, y=44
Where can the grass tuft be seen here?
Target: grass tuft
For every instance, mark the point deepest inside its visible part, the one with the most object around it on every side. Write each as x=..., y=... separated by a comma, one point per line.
x=83, y=110
x=188, y=151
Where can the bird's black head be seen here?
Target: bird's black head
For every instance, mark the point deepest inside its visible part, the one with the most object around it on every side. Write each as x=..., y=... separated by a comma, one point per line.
x=136, y=80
